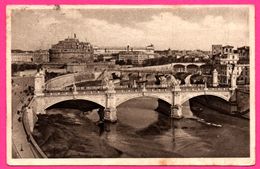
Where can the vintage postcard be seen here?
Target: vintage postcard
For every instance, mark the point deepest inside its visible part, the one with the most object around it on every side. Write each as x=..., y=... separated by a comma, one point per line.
x=130, y=84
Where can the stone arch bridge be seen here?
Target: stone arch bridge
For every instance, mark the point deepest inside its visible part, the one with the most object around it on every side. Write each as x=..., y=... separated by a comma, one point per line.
x=109, y=96
x=110, y=99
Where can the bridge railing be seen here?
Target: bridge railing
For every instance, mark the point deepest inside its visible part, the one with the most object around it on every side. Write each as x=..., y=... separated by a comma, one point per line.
x=126, y=87
x=131, y=90
x=86, y=88
x=37, y=151
x=68, y=93
x=94, y=89
x=203, y=89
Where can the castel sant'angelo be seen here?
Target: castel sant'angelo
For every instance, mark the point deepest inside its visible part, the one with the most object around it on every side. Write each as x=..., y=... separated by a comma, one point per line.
x=71, y=50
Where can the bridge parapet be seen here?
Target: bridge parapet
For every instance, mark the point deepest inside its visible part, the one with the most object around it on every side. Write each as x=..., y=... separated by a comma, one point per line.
x=69, y=93
x=140, y=90
x=102, y=91
x=68, y=79
x=86, y=88
x=192, y=87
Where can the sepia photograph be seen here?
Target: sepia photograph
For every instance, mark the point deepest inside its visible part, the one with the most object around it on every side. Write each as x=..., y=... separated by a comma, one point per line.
x=130, y=85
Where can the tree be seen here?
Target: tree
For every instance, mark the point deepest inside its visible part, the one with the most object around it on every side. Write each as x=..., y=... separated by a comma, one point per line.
x=129, y=62
x=120, y=62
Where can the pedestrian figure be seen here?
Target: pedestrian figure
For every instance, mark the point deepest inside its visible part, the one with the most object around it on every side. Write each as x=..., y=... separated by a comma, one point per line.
x=21, y=148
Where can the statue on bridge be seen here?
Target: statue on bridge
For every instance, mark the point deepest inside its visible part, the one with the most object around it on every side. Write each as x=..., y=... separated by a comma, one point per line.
x=173, y=82
x=109, y=85
x=106, y=78
x=187, y=80
x=176, y=83
x=107, y=82
x=234, y=79
x=163, y=81
x=134, y=84
x=74, y=87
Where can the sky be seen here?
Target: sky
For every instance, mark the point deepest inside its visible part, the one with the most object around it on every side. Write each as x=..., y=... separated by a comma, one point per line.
x=175, y=27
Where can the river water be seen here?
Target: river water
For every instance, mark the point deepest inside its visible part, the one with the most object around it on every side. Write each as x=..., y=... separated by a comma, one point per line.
x=140, y=132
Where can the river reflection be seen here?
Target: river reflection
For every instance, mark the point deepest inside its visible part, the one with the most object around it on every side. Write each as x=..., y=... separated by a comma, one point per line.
x=140, y=132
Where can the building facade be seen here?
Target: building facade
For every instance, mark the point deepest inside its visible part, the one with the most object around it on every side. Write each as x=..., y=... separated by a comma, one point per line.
x=22, y=56
x=243, y=74
x=89, y=67
x=229, y=58
x=227, y=49
x=216, y=50
x=133, y=57
x=108, y=50
x=38, y=56
x=71, y=50
x=228, y=61
x=243, y=54
x=148, y=50
x=41, y=56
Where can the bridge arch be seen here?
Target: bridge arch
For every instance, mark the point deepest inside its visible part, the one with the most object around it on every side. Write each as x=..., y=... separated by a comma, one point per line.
x=81, y=104
x=193, y=95
x=123, y=100
x=192, y=68
x=40, y=104
x=63, y=100
x=179, y=68
x=206, y=69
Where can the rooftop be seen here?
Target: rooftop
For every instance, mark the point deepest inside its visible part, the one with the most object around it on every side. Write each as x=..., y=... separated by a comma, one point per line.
x=228, y=46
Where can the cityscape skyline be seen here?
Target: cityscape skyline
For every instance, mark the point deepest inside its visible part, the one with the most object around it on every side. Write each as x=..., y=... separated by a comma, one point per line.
x=172, y=27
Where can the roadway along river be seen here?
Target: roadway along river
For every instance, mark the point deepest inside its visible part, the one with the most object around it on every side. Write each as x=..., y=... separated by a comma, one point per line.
x=140, y=132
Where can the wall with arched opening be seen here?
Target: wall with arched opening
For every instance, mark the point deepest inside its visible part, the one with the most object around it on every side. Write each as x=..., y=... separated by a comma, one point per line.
x=179, y=68
x=192, y=68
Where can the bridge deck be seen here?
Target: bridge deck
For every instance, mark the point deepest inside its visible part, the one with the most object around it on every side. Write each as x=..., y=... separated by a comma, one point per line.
x=125, y=89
